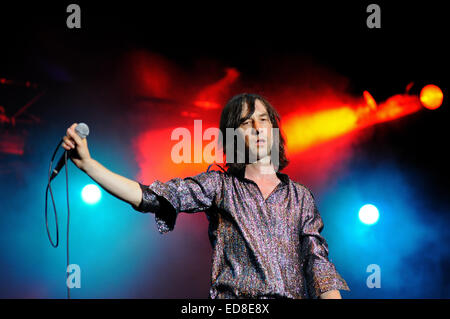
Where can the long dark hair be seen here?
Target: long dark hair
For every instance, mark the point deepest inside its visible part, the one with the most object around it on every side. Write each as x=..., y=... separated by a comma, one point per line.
x=231, y=118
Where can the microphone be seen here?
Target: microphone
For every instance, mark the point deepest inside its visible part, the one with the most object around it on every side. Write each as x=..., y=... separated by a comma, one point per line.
x=82, y=130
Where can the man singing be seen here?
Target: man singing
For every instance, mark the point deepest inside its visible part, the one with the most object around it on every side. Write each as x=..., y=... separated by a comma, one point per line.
x=264, y=227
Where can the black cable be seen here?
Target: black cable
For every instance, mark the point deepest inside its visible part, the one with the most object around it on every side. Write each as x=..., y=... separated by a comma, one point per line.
x=209, y=167
x=49, y=188
x=68, y=219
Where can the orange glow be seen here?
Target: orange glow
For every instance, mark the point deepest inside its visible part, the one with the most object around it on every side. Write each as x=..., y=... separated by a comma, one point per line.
x=306, y=130
x=370, y=100
x=431, y=97
x=320, y=123
x=211, y=96
x=153, y=153
x=395, y=107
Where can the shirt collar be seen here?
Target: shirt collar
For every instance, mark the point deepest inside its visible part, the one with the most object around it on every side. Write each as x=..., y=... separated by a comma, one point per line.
x=239, y=172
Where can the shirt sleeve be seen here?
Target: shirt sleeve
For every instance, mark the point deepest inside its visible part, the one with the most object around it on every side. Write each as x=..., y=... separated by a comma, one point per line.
x=320, y=273
x=189, y=195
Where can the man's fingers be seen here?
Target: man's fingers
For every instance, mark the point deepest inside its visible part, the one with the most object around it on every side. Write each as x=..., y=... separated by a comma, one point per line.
x=67, y=141
x=71, y=132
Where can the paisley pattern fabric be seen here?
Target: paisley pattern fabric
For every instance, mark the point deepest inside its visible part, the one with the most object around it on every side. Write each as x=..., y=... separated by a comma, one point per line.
x=268, y=248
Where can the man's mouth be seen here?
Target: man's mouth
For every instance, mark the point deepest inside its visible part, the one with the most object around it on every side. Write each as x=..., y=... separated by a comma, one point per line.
x=260, y=141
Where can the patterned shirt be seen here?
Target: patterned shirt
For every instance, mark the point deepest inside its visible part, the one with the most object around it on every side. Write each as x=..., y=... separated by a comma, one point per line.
x=268, y=248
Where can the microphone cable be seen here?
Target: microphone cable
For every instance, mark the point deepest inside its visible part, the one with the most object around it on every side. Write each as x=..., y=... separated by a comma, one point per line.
x=209, y=167
x=49, y=188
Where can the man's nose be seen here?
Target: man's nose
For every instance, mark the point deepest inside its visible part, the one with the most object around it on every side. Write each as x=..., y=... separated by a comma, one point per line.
x=257, y=127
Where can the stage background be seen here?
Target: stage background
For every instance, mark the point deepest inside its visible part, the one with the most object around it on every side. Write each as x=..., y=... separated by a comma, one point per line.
x=135, y=72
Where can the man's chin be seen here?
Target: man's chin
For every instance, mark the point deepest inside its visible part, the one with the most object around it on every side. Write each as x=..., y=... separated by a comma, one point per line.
x=258, y=155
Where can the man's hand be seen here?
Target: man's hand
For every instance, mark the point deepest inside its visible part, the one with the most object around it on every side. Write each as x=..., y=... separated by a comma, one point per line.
x=80, y=157
x=332, y=294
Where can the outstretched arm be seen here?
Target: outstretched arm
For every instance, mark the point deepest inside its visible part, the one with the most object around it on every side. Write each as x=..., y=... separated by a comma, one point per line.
x=191, y=194
x=121, y=187
x=166, y=200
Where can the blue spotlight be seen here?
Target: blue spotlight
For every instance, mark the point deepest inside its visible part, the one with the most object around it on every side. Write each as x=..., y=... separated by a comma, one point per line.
x=91, y=194
x=368, y=214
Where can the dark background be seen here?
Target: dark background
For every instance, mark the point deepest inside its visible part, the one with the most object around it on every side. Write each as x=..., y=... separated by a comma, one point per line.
x=410, y=46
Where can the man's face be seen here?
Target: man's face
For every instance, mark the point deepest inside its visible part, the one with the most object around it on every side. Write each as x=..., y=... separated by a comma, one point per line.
x=257, y=130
